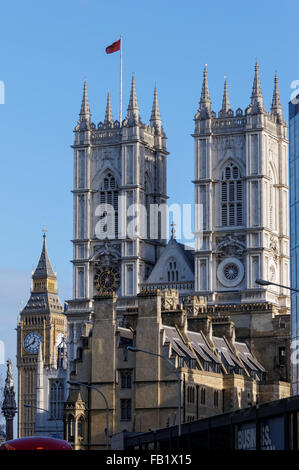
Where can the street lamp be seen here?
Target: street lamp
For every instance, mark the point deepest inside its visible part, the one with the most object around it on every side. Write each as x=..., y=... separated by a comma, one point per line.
x=131, y=348
x=26, y=405
x=72, y=382
x=262, y=282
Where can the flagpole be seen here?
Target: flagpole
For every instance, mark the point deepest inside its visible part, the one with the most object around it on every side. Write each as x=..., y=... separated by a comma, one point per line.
x=121, y=82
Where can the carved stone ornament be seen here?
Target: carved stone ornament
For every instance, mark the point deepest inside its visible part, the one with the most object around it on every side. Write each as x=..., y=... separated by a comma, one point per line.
x=230, y=246
x=274, y=248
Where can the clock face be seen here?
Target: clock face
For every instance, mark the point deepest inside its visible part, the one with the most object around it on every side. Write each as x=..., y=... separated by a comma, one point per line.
x=106, y=280
x=32, y=342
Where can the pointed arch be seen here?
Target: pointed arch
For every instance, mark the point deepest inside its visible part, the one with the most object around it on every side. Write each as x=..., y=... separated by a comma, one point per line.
x=148, y=199
x=108, y=194
x=231, y=194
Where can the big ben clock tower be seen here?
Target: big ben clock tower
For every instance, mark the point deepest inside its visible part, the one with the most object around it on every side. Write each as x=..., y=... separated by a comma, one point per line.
x=42, y=321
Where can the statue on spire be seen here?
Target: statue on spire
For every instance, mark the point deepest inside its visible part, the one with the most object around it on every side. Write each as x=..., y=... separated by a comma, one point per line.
x=9, y=407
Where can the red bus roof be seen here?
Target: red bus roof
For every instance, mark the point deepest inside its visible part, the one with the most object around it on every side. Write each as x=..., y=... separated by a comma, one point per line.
x=36, y=443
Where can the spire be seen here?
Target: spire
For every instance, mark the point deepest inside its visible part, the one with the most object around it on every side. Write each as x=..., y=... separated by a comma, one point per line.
x=225, y=101
x=257, y=105
x=84, y=119
x=133, y=109
x=44, y=269
x=108, y=113
x=155, y=120
x=276, y=106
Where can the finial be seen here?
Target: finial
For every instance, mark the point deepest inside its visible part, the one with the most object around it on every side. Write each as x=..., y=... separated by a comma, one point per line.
x=44, y=230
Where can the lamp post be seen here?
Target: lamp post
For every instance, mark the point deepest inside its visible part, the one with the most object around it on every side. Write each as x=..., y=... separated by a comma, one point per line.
x=262, y=282
x=72, y=382
x=131, y=348
x=26, y=405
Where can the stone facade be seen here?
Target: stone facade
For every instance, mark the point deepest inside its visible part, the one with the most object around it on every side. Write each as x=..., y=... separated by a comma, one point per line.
x=218, y=373
x=241, y=184
x=123, y=166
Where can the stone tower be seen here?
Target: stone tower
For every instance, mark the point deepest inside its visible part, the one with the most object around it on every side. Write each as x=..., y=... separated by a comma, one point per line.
x=119, y=169
x=9, y=407
x=42, y=321
x=241, y=183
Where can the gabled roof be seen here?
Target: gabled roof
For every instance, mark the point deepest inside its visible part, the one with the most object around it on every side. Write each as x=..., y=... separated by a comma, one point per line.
x=185, y=263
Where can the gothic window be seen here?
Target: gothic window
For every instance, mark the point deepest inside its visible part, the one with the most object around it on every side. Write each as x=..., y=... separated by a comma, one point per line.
x=125, y=406
x=126, y=379
x=191, y=394
x=80, y=426
x=56, y=398
x=172, y=271
x=231, y=196
x=147, y=203
x=109, y=195
x=71, y=428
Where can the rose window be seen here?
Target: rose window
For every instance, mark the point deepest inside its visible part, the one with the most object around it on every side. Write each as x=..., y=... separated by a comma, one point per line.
x=231, y=271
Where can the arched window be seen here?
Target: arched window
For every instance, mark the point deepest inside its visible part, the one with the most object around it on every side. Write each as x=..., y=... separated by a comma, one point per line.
x=80, y=426
x=109, y=195
x=148, y=201
x=172, y=271
x=56, y=398
x=71, y=428
x=231, y=196
x=271, y=199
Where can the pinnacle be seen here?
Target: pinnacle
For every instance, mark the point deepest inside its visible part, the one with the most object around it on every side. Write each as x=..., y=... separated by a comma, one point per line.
x=276, y=105
x=133, y=105
x=257, y=104
x=108, y=113
x=155, y=120
x=85, y=111
x=225, y=101
x=205, y=102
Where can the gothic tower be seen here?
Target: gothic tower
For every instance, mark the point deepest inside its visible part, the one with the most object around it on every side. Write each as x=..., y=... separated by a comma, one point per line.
x=119, y=169
x=42, y=321
x=241, y=183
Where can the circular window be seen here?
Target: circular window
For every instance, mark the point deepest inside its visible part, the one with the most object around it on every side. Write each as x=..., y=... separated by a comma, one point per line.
x=230, y=272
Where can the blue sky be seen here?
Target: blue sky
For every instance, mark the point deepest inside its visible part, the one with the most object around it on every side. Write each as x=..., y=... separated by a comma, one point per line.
x=46, y=50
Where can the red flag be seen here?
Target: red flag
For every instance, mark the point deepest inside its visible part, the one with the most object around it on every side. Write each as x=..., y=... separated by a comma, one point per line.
x=113, y=48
